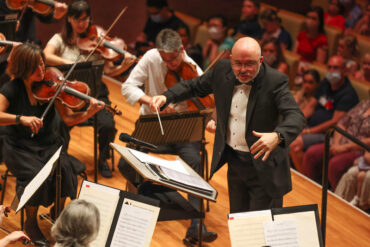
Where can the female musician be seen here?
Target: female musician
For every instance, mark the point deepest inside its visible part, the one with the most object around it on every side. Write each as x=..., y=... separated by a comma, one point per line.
x=62, y=49
x=23, y=155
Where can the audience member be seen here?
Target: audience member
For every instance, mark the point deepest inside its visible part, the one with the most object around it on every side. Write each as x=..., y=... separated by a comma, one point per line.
x=363, y=25
x=333, y=98
x=273, y=54
x=355, y=183
x=272, y=28
x=343, y=152
x=249, y=24
x=352, y=12
x=334, y=16
x=194, y=51
x=218, y=41
x=160, y=17
x=364, y=72
x=311, y=80
x=347, y=48
x=312, y=43
x=77, y=225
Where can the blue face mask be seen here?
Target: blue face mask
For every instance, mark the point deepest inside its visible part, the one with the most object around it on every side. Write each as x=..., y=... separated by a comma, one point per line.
x=156, y=18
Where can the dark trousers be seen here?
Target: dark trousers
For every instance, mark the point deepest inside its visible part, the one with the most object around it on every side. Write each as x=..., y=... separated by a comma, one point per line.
x=246, y=193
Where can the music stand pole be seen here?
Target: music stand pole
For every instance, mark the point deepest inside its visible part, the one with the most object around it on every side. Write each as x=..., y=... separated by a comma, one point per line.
x=95, y=124
x=58, y=186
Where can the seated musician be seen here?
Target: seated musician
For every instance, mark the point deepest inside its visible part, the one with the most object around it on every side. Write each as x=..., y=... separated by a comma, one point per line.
x=12, y=237
x=62, y=49
x=24, y=155
x=153, y=72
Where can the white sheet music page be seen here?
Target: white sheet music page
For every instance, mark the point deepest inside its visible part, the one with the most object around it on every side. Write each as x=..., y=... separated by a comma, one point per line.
x=307, y=228
x=105, y=199
x=38, y=180
x=171, y=164
x=246, y=229
x=135, y=224
x=281, y=233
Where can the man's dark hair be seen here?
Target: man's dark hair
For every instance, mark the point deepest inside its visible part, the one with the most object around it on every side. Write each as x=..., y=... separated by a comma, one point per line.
x=156, y=3
x=221, y=17
x=256, y=3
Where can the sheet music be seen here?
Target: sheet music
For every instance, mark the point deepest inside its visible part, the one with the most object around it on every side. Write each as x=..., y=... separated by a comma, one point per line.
x=146, y=158
x=281, y=233
x=135, y=224
x=105, y=199
x=246, y=229
x=39, y=179
x=307, y=228
x=186, y=179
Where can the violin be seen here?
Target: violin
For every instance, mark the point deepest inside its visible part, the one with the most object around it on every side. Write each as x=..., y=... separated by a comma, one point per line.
x=43, y=7
x=188, y=71
x=24, y=240
x=74, y=94
x=110, y=48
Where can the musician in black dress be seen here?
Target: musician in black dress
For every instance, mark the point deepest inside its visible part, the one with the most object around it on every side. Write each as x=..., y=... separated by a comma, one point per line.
x=25, y=155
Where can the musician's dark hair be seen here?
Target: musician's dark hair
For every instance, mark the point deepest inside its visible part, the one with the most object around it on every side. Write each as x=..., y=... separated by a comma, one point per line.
x=24, y=60
x=76, y=9
x=159, y=4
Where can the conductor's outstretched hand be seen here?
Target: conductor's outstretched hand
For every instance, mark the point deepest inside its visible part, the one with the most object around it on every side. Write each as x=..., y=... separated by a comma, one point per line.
x=264, y=145
x=157, y=102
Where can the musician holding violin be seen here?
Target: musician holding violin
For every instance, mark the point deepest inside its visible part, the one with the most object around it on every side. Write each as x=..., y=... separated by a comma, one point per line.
x=63, y=48
x=45, y=10
x=157, y=70
x=25, y=155
x=11, y=237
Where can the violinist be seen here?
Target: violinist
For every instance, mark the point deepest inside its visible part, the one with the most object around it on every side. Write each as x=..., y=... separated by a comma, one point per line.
x=150, y=73
x=26, y=30
x=25, y=156
x=13, y=236
x=62, y=49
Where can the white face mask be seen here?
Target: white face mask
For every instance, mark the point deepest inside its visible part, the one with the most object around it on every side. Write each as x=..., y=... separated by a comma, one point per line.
x=333, y=77
x=269, y=59
x=156, y=18
x=215, y=33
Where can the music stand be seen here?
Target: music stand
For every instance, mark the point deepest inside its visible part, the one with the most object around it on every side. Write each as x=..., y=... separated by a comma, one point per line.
x=180, y=127
x=8, y=25
x=90, y=73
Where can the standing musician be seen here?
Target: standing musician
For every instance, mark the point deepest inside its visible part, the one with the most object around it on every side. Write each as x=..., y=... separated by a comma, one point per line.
x=24, y=155
x=152, y=73
x=62, y=49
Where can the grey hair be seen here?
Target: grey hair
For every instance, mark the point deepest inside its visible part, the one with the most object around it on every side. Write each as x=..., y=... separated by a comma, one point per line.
x=168, y=40
x=77, y=225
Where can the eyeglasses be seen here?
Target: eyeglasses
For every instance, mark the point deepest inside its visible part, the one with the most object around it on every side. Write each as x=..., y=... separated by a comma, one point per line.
x=247, y=65
x=84, y=19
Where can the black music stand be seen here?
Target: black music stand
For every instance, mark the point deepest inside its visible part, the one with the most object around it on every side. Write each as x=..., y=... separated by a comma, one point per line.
x=90, y=73
x=178, y=128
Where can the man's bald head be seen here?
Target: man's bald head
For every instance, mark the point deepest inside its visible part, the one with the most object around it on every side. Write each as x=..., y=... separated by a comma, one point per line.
x=246, y=59
x=246, y=45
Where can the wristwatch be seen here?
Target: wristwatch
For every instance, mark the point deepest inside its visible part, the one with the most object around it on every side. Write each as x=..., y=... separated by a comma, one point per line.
x=17, y=119
x=280, y=136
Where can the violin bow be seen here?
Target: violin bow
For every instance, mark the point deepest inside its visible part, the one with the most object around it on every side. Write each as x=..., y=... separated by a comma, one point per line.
x=73, y=67
x=215, y=61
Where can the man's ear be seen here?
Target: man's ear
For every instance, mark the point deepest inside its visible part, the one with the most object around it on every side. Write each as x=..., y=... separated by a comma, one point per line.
x=261, y=59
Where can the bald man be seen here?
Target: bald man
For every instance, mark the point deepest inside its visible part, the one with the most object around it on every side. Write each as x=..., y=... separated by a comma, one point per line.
x=257, y=119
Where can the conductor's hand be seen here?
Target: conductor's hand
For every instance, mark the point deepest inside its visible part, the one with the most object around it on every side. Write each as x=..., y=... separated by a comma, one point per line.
x=157, y=102
x=264, y=145
x=34, y=123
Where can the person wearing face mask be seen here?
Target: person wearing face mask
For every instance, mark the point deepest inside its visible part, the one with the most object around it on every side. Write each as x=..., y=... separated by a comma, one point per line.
x=160, y=17
x=273, y=54
x=218, y=40
x=332, y=99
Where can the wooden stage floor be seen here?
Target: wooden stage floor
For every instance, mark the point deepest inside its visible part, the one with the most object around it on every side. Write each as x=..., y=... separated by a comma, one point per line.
x=346, y=226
